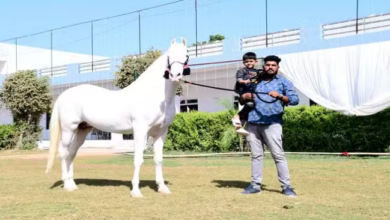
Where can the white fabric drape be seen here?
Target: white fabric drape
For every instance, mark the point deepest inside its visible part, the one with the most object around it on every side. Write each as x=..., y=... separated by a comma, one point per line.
x=354, y=80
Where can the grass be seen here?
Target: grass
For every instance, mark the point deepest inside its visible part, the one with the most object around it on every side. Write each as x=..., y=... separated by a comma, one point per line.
x=21, y=152
x=203, y=188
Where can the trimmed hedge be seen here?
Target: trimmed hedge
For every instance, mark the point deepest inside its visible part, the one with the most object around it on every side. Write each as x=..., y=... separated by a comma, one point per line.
x=198, y=131
x=315, y=129
x=305, y=129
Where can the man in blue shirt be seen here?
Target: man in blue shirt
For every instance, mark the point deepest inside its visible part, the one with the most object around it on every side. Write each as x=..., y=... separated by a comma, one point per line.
x=265, y=124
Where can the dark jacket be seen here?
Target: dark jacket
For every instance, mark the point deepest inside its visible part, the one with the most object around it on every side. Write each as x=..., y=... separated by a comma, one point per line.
x=244, y=74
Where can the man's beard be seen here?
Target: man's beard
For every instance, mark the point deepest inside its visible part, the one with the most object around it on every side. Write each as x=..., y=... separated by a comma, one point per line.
x=271, y=74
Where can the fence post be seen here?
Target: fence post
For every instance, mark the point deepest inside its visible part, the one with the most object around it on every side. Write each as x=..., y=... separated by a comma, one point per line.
x=51, y=53
x=357, y=16
x=92, y=43
x=196, y=28
x=266, y=23
x=16, y=54
x=139, y=31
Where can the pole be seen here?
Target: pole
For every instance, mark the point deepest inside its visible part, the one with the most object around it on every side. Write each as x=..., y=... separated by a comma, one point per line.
x=92, y=43
x=196, y=27
x=266, y=23
x=357, y=16
x=139, y=31
x=16, y=54
x=51, y=53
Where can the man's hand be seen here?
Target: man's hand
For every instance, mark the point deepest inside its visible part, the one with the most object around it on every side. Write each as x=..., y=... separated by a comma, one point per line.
x=277, y=96
x=248, y=96
x=274, y=94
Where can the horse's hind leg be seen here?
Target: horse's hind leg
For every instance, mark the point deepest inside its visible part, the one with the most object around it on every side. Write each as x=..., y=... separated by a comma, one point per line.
x=71, y=142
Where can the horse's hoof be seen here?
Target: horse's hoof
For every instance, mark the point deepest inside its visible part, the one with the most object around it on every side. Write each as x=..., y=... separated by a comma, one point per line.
x=70, y=189
x=70, y=186
x=164, y=190
x=136, y=195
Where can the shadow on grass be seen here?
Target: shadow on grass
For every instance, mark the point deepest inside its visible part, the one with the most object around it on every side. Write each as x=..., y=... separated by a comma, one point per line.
x=241, y=185
x=107, y=182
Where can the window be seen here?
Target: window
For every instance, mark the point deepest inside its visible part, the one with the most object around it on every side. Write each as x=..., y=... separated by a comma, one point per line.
x=189, y=105
x=100, y=135
x=128, y=137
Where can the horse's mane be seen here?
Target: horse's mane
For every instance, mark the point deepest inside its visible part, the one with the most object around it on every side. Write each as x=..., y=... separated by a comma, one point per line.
x=154, y=72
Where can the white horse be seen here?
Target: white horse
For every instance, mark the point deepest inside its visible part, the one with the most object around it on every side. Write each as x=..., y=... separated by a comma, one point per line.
x=146, y=107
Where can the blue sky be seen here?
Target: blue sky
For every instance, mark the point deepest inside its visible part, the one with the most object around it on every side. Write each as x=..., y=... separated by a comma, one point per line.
x=119, y=36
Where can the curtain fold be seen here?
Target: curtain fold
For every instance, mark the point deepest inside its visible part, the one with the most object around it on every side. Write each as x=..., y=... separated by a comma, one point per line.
x=354, y=80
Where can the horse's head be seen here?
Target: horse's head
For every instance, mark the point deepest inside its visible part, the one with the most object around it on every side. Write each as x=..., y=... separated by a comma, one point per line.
x=177, y=63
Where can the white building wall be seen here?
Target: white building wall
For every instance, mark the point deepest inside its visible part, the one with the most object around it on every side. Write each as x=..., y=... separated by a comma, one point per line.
x=37, y=58
x=5, y=115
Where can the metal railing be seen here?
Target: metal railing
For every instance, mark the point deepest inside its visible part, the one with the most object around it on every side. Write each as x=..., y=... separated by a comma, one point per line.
x=209, y=49
x=53, y=72
x=374, y=23
x=273, y=39
x=100, y=65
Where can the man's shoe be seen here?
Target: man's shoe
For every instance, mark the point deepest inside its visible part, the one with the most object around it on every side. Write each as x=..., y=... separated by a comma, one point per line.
x=251, y=189
x=288, y=191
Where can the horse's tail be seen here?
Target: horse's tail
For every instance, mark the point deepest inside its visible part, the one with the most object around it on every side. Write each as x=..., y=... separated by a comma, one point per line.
x=55, y=137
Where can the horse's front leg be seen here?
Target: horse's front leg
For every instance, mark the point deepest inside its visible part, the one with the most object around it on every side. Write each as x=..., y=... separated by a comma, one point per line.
x=158, y=159
x=140, y=137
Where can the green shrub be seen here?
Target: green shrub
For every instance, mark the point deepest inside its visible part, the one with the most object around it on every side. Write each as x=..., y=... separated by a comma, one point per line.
x=199, y=131
x=316, y=129
x=305, y=129
x=6, y=136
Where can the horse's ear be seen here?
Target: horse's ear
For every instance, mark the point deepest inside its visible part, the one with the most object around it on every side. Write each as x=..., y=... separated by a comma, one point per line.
x=184, y=41
x=173, y=41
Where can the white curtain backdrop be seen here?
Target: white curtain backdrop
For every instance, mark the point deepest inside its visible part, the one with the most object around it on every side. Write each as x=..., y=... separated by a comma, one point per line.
x=354, y=80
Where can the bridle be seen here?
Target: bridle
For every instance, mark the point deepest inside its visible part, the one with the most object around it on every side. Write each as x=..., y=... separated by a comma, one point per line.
x=186, y=68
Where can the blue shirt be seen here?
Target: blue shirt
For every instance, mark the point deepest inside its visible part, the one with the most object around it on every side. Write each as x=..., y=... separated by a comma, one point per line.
x=271, y=113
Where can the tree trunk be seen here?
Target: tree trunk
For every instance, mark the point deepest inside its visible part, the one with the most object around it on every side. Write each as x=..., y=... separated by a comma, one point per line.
x=19, y=144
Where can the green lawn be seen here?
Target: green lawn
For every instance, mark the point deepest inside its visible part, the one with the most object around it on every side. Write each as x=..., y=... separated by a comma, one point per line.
x=203, y=188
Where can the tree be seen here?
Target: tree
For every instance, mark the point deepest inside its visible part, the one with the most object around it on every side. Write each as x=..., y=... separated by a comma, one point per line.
x=28, y=97
x=216, y=37
x=133, y=66
x=212, y=39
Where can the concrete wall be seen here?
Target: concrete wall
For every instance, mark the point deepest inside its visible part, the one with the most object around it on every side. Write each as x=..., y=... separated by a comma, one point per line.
x=5, y=115
x=37, y=58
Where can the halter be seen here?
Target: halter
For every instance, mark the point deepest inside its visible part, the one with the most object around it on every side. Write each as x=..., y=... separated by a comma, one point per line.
x=186, y=68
